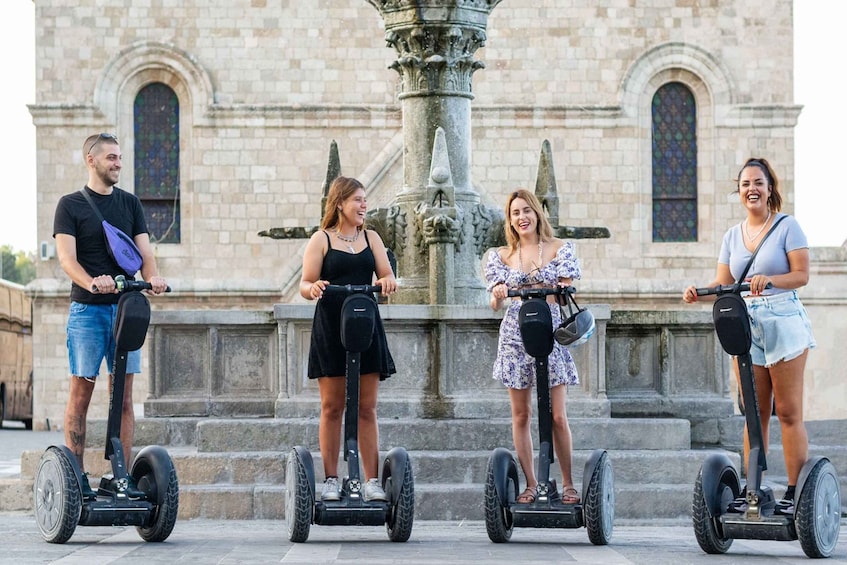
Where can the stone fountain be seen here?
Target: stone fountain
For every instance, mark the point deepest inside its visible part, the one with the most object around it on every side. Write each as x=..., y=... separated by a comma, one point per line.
x=436, y=225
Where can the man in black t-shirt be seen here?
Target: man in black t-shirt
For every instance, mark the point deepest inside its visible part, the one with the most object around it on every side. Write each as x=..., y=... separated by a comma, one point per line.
x=82, y=253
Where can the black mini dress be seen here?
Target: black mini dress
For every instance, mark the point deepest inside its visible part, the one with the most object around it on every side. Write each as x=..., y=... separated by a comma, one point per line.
x=327, y=357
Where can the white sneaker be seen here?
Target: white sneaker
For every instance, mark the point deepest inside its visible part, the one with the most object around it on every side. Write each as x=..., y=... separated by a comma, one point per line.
x=331, y=491
x=373, y=491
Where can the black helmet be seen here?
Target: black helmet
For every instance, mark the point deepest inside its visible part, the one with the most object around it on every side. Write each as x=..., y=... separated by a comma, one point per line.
x=576, y=330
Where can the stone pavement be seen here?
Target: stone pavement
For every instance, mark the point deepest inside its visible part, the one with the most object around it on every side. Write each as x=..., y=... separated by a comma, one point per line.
x=444, y=542
x=227, y=542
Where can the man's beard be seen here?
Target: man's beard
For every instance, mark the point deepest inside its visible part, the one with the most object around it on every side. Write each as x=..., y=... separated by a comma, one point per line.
x=106, y=177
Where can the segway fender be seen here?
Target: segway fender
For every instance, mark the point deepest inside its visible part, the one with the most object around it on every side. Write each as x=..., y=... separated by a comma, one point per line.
x=714, y=467
x=74, y=463
x=588, y=470
x=160, y=464
x=804, y=473
x=306, y=457
x=396, y=461
x=502, y=466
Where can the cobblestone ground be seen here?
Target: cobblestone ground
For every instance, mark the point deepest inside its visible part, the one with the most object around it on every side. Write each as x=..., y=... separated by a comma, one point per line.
x=444, y=543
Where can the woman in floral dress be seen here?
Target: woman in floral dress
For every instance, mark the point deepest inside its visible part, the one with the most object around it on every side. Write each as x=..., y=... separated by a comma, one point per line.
x=532, y=257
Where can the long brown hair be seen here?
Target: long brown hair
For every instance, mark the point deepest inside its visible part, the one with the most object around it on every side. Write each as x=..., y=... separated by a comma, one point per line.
x=774, y=198
x=340, y=190
x=543, y=228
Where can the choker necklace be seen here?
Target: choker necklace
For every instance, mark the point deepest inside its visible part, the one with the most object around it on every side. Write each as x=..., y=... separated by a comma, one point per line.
x=540, y=261
x=347, y=239
x=747, y=227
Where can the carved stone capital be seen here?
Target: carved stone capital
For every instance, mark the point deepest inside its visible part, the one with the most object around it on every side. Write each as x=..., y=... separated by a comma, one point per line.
x=435, y=42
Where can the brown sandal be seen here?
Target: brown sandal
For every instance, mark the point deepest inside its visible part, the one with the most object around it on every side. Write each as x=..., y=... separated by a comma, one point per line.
x=528, y=496
x=570, y=496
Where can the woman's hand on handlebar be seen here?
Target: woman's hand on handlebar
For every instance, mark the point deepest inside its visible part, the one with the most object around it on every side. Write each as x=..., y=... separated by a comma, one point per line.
x=388, y=284
x=758, y=283
x=500, y=291
x=689, y=295
x=316, y=289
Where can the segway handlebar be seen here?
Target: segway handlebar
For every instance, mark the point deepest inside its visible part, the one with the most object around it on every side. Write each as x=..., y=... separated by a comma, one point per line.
x=128, y=285
x=726, y=289
x=352, y=288
x=541, y=292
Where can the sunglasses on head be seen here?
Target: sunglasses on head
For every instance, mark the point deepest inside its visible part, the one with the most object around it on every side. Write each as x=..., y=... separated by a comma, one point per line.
x=103, y=137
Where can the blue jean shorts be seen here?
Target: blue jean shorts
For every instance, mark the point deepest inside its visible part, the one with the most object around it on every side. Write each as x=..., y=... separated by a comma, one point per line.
x=91, y=339
x=780, y=327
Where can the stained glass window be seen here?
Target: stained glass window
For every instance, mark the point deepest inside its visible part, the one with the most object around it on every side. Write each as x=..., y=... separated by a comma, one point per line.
x=674, y=164
x=156, y=128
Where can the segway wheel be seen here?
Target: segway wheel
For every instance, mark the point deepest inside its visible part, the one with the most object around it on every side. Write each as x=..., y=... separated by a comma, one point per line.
x=401, y=512
x=498, y=517
x=155, y=474
x=600, y=502
x=706, y=530
x=57, y=496
x=818, y=514
x=299, y=497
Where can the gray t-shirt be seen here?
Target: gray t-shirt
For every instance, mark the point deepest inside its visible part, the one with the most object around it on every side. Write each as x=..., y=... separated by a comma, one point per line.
x=772, y=258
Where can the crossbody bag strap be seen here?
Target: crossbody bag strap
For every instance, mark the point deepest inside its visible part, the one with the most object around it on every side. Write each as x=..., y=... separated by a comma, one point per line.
x=755, y=251
x=96, y=209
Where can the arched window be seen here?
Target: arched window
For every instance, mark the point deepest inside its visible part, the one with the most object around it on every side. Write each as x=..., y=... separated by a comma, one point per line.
x=156, y=158
x=674, y=164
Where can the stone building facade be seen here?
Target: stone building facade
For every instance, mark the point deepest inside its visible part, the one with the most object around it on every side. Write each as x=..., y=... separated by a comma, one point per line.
x=265, y=86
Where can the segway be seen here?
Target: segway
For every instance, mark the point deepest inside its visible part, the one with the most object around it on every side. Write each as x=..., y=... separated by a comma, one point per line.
x=58, y=500
x=303, y=508
x=718, y=517
x=503, y=513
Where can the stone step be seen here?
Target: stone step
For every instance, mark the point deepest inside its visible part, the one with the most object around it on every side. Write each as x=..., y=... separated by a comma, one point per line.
x=820, y=432
x=837, y=454
x=278, y=434
x=268, y=467
x=483, y=406
x=460, y=435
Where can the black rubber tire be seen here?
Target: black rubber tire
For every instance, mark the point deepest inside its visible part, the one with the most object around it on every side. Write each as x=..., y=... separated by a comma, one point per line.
x=401, y=512
x=299, y=504
x=150, y=463
x=817, y=517
x=498, y=518
x=599, y=503
x=705, y=527
x=57, y=498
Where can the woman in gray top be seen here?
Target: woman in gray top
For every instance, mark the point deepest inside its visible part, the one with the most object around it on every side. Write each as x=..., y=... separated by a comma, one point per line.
x=782, y=334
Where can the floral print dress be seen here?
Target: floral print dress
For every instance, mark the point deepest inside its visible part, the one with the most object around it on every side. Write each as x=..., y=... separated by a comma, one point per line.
x=514, y=367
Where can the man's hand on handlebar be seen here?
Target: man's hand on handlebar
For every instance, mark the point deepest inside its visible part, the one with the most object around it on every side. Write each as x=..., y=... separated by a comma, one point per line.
x=105, y=284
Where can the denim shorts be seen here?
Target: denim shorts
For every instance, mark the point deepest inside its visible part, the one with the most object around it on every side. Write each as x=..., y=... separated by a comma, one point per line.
x=91, y=339
x=780, y=327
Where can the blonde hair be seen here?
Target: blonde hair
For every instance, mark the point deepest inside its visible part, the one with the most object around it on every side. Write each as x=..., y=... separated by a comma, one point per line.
x=543, y=228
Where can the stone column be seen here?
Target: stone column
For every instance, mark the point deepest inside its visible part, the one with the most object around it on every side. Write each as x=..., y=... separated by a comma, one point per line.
x=436, y=215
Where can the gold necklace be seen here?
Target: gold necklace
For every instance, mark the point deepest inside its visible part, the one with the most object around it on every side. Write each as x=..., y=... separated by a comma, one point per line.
x=347, y=239
x=540, y=260
x=747, y=227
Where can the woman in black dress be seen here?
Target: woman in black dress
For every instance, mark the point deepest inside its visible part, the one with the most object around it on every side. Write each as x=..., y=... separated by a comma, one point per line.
x=344, y=252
